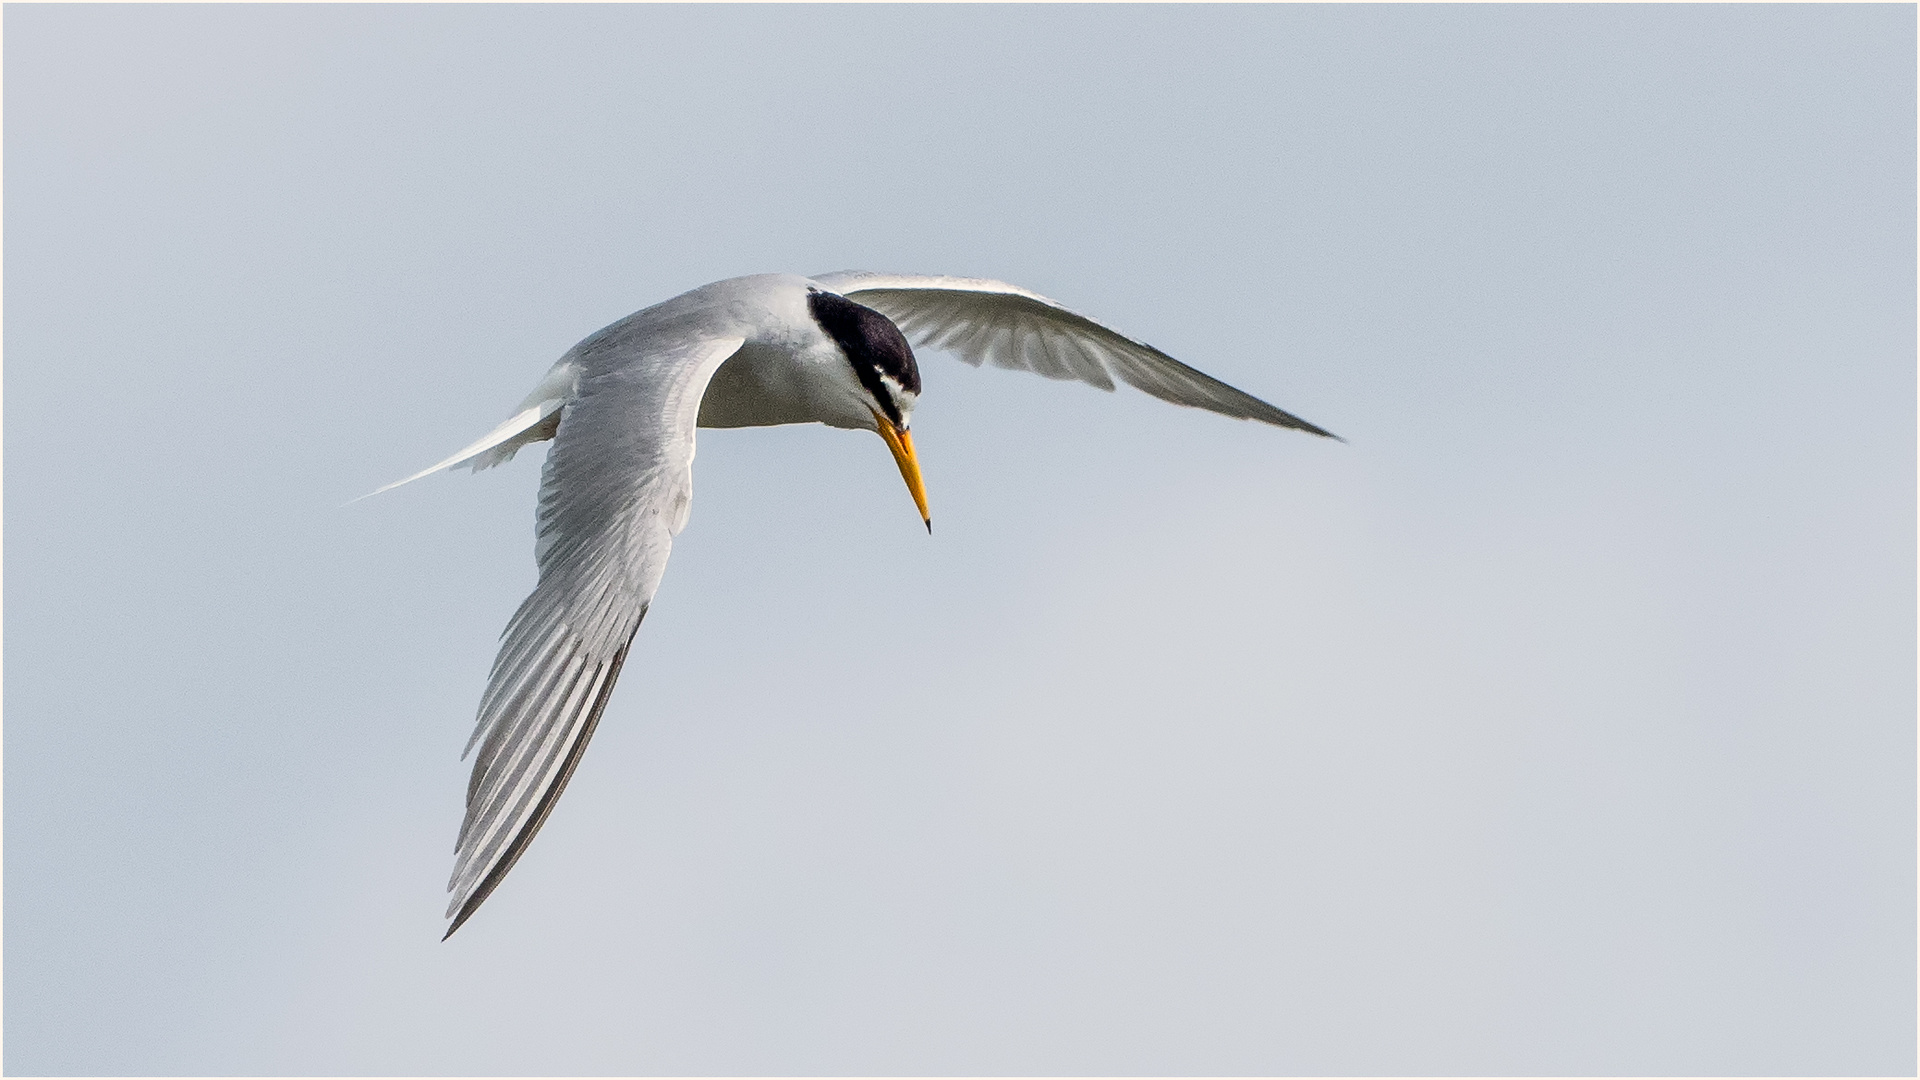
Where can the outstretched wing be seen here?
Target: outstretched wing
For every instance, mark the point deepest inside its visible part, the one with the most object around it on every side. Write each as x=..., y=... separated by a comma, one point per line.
x=615, y=491
x=1007, y=326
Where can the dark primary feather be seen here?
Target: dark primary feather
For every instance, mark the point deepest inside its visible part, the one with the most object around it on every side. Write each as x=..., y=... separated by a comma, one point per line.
x=551, y=795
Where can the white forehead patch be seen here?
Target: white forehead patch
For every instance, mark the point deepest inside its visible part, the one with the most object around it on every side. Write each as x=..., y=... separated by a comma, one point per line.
x=903, y=398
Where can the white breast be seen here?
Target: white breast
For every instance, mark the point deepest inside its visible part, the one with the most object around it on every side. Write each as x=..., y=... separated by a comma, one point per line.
x=790, y=373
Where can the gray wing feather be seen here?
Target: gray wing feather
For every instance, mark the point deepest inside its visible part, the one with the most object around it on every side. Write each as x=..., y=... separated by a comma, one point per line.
x=992, y=322
x=616, y=489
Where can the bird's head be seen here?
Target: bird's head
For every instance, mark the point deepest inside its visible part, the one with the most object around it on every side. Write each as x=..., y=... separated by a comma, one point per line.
x=889, y=380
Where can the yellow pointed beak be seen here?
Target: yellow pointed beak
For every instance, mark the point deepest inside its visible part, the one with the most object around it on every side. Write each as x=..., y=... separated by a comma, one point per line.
x=900, y=441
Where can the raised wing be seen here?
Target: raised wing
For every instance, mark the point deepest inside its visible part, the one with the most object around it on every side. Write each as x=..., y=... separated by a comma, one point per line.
x=1007, y=326
x=616, y=489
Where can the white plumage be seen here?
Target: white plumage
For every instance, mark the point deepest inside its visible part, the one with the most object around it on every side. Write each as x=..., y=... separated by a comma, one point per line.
x=621, y=408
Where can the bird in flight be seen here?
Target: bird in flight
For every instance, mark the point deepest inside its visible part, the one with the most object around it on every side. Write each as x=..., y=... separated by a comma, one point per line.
x=621, y=408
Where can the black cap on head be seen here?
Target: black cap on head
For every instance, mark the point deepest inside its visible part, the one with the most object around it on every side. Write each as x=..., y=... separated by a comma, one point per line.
x=872, y=343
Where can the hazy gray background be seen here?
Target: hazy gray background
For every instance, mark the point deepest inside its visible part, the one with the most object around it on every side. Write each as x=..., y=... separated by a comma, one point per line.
x=1561, y=722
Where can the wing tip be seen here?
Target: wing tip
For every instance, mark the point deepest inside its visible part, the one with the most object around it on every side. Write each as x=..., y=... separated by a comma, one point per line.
x=466, y=912
x=518, y=846
x=1311, y=429
x=1278, y=417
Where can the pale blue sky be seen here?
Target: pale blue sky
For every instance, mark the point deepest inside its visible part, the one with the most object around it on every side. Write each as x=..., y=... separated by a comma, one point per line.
x=1561, y=722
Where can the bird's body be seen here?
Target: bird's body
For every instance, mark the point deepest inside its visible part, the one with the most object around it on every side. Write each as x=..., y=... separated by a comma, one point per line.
x=788, y=371
x=621, y=408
